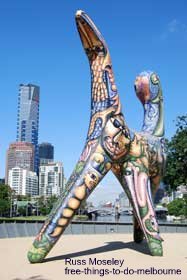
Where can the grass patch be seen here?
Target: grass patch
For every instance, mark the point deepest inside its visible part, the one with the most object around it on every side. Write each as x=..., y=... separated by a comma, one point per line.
x=39, y=218
x=80, y=218
x=29, y=218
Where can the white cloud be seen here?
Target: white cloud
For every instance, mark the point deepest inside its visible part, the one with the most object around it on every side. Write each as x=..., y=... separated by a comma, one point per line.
x=174, y=27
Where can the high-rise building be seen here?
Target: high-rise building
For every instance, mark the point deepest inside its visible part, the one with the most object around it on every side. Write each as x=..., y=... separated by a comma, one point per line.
x=2, y=181
x=19, y=154
x=51, y=179
x=28, y=116
x=23, y=182
x=46, y=153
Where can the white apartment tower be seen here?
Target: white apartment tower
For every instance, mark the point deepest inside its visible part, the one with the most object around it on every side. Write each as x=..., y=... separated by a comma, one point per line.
x=51, y=179
x=23, y=181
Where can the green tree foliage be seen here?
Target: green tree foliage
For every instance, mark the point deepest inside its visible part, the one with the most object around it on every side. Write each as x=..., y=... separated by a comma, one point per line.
x=45, y=204
x=176, y=166
x=23, y=197
x=5, y=199
x=178, y=207
x=22, y=211
x=51, y=201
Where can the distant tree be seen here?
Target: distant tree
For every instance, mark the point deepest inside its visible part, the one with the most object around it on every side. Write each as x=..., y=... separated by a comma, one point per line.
x=45, y=204
x=23, y=197
x=43, y=210
x=178, y=207
x=176, y=166
x=22, y=211
x=5, y=199
x=83, y=205
x=51, y=201
x=41, y=205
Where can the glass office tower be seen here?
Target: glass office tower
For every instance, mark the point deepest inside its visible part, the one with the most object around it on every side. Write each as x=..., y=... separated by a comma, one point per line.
x=46, y=153
x=28, y=117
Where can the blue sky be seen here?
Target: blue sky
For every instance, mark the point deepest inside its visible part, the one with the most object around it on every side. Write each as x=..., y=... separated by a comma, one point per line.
x=40, y=45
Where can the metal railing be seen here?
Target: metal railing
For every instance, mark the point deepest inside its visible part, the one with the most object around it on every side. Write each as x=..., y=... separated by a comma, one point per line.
x=9, y=229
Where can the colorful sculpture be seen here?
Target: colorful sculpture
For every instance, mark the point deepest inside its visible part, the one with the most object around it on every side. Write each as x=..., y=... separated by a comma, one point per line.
x=136, y=159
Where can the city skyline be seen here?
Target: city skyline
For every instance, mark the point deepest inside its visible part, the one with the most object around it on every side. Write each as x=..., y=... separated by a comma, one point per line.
x=52, y=57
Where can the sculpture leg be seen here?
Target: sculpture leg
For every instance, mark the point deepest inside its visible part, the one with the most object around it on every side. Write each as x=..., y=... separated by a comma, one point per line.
x=138, y=234
x=138, y=184
x=84, y=179
x=137, y=231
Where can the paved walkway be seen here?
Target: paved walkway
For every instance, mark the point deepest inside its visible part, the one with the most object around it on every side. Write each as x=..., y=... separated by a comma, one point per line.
x=116, y=255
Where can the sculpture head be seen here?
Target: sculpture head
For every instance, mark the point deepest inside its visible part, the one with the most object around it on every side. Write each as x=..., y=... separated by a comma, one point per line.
x=147, y=86
x=91, y=38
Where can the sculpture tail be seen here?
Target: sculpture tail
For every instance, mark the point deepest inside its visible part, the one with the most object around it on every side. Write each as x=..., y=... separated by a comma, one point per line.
x=148, y=89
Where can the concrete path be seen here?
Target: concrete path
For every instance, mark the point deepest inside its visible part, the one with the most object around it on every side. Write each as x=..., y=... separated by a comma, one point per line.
x=111, y=256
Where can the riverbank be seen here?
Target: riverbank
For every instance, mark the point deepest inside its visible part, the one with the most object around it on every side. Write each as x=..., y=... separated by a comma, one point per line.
x=111, y=247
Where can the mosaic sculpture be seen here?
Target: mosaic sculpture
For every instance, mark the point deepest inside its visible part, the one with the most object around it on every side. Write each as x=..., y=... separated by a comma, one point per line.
x=136, y=159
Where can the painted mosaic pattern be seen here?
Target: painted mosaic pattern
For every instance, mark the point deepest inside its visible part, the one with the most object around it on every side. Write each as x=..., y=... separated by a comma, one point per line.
x=136, y=159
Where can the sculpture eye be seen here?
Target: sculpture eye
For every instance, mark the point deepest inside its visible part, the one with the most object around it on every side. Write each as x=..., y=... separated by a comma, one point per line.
x=128, y=172
x=126, y=133
x=93, y=176
x=116, y=123
x=154, y=79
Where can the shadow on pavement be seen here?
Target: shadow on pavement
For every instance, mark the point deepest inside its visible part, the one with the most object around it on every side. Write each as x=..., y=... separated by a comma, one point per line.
x=110, y=246
x=37, y=277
